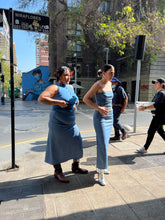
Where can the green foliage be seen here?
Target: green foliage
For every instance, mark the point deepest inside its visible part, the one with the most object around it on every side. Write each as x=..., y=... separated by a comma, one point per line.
x=120, y=33
x=17, y=80
x=6, y=73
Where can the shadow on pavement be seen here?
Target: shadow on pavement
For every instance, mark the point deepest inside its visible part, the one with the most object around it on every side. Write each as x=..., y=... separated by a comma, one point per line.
x=136, y=161
x=31, y=187
x=151, y=209
x=39, y=146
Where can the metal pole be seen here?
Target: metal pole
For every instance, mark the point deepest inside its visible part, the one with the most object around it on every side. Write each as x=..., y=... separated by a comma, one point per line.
x=75, y=70
x=137, y=92
x=107, y=51
x=12, y=90
x=88, y=74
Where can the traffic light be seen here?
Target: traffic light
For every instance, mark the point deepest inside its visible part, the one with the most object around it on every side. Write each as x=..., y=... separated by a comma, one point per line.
x=2, y=78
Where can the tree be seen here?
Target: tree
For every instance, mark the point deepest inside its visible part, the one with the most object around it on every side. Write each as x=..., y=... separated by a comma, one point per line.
x=120, y=33
x=57, y=36
x=116, y=27
x=59, y=13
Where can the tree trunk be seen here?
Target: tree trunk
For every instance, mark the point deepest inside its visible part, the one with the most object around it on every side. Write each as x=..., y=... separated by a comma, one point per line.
x=57, y=35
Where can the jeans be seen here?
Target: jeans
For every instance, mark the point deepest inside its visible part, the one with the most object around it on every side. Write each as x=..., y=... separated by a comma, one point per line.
x=156, y=125
x=117, y=126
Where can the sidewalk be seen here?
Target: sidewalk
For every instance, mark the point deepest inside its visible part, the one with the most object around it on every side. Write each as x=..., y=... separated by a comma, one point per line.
x=135, y=188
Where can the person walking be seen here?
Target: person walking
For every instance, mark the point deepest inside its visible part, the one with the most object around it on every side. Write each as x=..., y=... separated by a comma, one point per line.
x=158, y=119
x=64, y=139
x=119, y=103
x=103, y=117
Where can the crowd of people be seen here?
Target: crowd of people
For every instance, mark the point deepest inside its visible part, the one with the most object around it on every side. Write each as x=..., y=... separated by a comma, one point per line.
x=64, y=138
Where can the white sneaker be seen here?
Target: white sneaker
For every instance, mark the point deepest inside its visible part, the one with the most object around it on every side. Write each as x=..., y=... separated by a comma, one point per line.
x=142, y=150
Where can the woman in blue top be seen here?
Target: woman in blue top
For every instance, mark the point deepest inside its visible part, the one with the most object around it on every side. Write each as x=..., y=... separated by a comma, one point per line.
x=103, y=116
x=64, y=139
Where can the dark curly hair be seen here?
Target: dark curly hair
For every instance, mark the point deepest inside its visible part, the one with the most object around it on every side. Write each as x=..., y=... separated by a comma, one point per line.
x=60, y=71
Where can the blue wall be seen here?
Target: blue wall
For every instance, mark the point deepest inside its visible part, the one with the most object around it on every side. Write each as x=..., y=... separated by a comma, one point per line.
x=28, y=79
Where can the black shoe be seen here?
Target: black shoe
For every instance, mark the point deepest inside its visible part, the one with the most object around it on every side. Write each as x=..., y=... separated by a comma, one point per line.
x=76, y=168
x=61, y=177
x=124, y=136
x=115, y=138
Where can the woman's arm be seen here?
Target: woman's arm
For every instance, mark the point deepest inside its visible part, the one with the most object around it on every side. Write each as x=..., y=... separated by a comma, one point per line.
x=46, y=97
x=142, y=108
x=87, y=99
x=124, y=104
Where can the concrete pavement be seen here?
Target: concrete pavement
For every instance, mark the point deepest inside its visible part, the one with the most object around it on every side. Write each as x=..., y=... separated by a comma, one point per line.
x=135, y=187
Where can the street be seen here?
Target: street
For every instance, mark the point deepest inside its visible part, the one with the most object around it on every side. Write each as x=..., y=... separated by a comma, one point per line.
x=31, y=125
x=135, y=184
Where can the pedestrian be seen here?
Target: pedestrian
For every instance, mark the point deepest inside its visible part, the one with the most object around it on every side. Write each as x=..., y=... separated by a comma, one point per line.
x=158, y=113
x=119, y=103
x=103, y=117
x=64, y=139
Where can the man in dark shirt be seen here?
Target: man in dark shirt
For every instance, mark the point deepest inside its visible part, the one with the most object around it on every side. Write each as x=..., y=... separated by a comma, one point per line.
x=158, y=114
x=119, y=103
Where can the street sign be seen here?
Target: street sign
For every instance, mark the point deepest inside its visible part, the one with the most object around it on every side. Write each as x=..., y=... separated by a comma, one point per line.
x=27, y=21
x=30, y=22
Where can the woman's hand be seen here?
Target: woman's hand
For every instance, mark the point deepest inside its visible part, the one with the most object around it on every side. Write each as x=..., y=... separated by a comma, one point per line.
x=104, y=111
x=141, y=108
x=63, y=104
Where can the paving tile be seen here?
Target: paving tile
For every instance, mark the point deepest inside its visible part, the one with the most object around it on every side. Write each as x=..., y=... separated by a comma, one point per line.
x=150, y=210
x=132, y=194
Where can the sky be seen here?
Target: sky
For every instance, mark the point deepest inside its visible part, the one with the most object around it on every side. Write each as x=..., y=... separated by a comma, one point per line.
x=24, y=41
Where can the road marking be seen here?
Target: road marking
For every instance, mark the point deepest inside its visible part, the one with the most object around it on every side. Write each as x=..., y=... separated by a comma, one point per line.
x=36, y=139
x=22, y=142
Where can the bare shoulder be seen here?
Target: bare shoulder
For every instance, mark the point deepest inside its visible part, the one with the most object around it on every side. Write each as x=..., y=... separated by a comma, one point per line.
x=52, y=87
x=98, y=86
x=94, y=89
x=50, y=91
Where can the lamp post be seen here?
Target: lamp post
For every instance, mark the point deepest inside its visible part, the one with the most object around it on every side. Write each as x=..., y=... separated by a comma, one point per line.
x=75, y=68
x=107, y=52
x=88, y=73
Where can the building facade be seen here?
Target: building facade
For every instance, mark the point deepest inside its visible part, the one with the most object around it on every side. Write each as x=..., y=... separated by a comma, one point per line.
x=5, y=50
x=42, y=53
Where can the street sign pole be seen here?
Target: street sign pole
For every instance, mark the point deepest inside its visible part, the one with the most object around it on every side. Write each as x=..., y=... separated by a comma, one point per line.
x=12, y=91
x=137, y=92
x=22, y=21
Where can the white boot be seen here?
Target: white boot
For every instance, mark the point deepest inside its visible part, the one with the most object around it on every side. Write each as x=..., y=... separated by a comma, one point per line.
x=101, y=177
x=105, y=171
